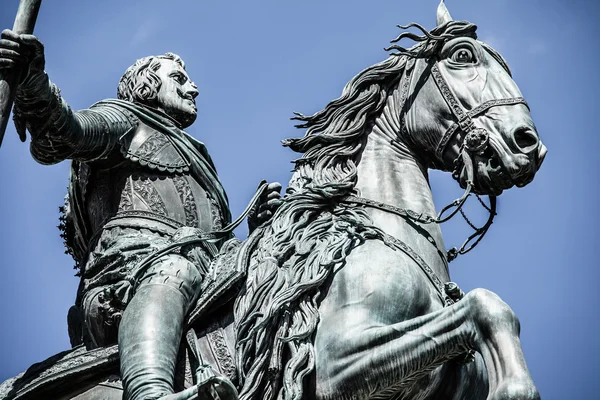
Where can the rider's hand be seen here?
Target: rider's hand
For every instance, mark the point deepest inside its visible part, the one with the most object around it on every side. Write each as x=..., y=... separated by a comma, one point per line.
x=266, y=206
x=21, y=52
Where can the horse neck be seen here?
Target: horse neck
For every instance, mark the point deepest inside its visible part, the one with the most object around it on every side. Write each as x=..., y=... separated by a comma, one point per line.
x=389, y=172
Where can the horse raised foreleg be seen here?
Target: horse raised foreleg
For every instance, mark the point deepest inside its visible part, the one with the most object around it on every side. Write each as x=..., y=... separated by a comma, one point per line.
x=497, y=340
x=369, y=361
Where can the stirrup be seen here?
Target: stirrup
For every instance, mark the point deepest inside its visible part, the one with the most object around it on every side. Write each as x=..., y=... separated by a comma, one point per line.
x=211, y=385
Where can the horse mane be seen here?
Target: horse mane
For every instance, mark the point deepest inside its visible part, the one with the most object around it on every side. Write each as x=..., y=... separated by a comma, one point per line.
x=311, y=234
x=336, y=135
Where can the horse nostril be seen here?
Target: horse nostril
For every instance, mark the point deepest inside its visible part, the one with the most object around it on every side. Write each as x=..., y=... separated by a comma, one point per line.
x=526, y=140
x=493, y=163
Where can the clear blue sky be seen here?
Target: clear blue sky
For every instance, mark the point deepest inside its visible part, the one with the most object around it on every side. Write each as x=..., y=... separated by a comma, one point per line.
x=255, y=63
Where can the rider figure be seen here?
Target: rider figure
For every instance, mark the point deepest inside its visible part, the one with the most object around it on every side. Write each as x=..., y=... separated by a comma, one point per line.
x=138, y=184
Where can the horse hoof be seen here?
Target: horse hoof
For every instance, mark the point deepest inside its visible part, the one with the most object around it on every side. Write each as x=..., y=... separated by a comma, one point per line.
x=516, y=390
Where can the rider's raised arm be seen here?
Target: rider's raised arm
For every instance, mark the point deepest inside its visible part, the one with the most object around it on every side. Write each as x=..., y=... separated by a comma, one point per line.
x=57, y=133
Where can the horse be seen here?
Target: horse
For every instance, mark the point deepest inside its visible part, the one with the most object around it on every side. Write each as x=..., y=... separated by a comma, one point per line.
x=345, y=293
x=348, y=294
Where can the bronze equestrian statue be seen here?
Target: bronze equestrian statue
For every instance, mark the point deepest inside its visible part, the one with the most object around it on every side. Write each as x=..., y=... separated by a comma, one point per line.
x=344, y=292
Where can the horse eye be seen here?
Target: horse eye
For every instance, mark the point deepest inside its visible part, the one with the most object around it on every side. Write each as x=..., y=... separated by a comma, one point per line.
x=463, y=55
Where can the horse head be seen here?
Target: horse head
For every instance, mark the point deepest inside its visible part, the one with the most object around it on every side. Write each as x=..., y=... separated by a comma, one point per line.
x=464, y=112
x=450, y=99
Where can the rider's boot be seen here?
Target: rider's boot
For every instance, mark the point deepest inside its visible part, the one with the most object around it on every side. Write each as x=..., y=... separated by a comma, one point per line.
x=149, y=341
x=150, y=333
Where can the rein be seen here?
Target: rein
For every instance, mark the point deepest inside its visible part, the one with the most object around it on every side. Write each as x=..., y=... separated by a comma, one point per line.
x=467, y=245
x=475, y=141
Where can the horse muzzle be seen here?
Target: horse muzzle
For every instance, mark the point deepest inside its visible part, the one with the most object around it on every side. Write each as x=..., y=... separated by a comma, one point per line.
x=513, y=161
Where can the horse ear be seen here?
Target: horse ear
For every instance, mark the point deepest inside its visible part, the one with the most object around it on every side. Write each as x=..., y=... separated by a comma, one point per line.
x=443, y=15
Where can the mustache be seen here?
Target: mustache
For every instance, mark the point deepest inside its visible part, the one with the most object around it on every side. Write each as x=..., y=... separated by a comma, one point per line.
x=184, y=95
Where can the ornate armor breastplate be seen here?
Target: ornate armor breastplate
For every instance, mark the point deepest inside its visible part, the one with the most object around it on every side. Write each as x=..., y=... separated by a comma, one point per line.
x=154, y=183
x=176, y=197
x=153, y=149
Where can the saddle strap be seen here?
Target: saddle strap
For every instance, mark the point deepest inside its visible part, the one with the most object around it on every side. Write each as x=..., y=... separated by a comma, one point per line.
x=404, y=213
x=431, y=275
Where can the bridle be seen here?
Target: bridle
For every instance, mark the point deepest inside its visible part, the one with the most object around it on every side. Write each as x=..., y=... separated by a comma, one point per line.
x=475, y=141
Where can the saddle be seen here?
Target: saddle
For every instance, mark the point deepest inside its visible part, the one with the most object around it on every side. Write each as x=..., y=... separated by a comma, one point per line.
x=84, y=374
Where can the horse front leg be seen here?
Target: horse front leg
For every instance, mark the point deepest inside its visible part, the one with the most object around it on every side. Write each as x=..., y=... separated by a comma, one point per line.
x=364, y=362
x=497, y=340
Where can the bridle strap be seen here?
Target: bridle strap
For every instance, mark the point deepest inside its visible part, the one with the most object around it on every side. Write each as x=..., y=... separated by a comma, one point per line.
x=464, y=119
x=401, y=212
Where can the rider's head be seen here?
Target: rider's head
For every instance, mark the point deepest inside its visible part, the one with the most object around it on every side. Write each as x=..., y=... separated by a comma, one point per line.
x=162, y=83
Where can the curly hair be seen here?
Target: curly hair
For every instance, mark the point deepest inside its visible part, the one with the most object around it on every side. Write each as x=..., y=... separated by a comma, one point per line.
x=140, y=83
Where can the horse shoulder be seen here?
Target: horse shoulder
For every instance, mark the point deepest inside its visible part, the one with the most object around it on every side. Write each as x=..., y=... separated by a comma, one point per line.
x=377, y=286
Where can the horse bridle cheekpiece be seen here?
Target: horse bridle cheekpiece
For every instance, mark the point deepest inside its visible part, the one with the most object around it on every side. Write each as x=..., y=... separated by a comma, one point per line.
x=475, y=139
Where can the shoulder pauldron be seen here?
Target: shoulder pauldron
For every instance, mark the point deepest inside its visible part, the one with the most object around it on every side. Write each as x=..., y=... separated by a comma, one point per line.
x=153, y=149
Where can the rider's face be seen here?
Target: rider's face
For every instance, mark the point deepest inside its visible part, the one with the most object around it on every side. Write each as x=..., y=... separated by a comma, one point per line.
x=177, y=92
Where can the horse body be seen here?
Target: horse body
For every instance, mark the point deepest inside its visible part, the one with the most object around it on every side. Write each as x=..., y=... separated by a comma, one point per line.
x=378, y=287
x=380, y=302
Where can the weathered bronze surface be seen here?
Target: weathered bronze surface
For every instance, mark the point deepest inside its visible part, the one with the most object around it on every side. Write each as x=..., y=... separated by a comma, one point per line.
x=341, y=290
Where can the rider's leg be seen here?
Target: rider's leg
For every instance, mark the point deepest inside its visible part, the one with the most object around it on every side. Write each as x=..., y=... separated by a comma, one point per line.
x=152, y=326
